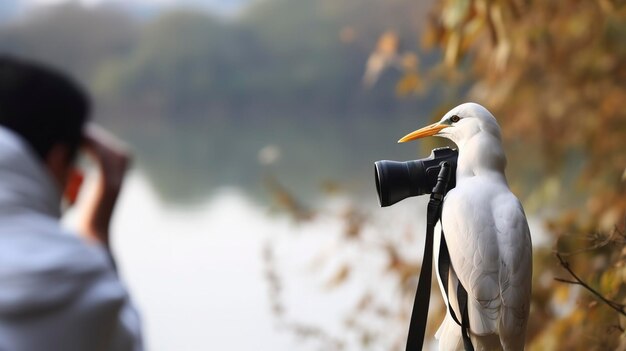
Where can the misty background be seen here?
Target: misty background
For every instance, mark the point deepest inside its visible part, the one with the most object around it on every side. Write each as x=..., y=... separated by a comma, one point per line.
x=243, y=115
x=200, y=88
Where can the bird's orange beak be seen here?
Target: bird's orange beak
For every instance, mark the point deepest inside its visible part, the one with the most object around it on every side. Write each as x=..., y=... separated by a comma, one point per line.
x=423, y=132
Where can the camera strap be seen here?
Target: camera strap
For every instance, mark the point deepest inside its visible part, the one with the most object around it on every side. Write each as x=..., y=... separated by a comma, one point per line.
x=461, y=294
x=419, y=314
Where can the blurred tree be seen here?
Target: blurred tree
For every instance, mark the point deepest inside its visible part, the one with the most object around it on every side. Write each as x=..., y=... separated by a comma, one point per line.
x=286, y=73
x=71, y=37
x=283, y=72
x=553, y=72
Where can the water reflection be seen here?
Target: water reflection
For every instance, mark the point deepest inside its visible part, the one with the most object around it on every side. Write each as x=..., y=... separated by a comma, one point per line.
x=196, y=272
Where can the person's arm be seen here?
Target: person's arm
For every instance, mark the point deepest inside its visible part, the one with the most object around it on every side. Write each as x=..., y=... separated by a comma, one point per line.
x=113, y=159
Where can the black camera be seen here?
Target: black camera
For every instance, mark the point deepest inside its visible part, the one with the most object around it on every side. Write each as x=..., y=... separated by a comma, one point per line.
x=395, y=181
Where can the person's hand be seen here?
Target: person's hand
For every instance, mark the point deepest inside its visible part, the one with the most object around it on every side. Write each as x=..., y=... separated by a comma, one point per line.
x=113, y=159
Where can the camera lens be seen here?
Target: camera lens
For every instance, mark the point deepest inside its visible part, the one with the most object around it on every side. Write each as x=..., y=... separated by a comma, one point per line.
x=395, y=181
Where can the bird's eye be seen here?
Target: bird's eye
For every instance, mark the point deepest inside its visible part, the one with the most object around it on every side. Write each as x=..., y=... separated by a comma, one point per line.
x=455, y=119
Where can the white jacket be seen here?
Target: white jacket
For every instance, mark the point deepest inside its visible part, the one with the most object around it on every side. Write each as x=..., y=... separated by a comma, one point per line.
x=57, y=292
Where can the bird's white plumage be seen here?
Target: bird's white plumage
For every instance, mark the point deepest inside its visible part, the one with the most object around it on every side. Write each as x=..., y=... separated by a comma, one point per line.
x=487, y=236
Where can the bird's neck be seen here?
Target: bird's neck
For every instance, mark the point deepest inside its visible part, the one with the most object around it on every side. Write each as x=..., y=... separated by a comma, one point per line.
x=481, y=155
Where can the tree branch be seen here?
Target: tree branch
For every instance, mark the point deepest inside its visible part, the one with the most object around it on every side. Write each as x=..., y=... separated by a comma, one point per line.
x=600, y=242
x=567, y=281
x=577, y=281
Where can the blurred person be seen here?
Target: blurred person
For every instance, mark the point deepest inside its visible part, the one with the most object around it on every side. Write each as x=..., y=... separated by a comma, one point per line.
x=58, y=291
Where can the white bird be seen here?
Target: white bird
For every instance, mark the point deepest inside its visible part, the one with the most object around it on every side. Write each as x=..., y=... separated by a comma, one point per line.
x=487, y=235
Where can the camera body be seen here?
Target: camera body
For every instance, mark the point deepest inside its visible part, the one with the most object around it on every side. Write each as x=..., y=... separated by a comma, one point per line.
x=395, y=181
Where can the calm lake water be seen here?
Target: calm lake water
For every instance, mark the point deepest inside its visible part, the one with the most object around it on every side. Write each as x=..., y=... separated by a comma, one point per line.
x=197, y=273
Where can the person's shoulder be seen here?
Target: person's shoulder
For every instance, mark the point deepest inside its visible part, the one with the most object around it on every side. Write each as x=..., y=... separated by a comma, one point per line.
x=48, y=246
x=42, y=251
x=46, y=266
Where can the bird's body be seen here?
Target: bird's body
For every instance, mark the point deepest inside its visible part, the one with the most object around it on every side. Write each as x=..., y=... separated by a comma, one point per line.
x=487, y=236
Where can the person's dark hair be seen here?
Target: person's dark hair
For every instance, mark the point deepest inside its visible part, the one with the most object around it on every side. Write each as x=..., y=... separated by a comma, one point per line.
x=42, y=105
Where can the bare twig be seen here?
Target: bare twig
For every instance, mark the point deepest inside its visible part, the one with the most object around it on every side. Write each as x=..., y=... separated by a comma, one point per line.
x=601, y=241
x=567, y=281
x=577, y=281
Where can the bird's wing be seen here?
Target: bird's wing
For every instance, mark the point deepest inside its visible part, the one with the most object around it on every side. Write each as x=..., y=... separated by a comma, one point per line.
x=472, y=242
x=516, y=268
x=481, y=230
